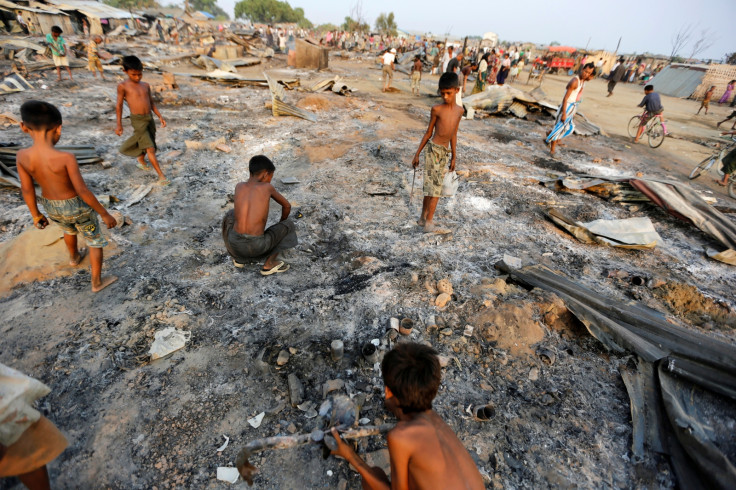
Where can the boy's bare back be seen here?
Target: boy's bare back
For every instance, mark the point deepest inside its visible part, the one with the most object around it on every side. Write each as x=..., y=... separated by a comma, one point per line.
x=252, y=200
x=55, y=171
x=137, y=95
x=426, y=453
x=446, y=119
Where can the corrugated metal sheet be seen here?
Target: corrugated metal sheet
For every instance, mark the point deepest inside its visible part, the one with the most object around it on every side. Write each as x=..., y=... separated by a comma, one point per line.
x=678, y=81
x=92, y=8
x=33, y=8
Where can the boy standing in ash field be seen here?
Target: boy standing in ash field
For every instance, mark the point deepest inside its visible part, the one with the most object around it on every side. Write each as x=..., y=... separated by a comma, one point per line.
x=58, y=51
x=423, y=449
x=138, y=96
x=64, y=195
x=443, y=123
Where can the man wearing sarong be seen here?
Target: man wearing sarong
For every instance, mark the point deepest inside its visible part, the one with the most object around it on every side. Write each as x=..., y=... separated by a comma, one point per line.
x=564, y=125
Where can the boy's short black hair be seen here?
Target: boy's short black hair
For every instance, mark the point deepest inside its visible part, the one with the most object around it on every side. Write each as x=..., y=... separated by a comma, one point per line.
x=40, y=116
x=260, y=163
x=589, y=65
x=56, y=29
x=449, y=80
x=648, y=88
x=412, y=372
x=132, y=63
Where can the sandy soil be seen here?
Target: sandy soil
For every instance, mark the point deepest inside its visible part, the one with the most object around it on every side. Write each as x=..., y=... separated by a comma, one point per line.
x=361, y=260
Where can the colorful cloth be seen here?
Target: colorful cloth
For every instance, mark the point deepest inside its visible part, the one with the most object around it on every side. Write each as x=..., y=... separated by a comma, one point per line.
x=726, y=94
x=563, y=129
x=40, y=444
x=435, y=165
x=242, y=247
x=144, y=136
x=58, y=45
x=75, y=216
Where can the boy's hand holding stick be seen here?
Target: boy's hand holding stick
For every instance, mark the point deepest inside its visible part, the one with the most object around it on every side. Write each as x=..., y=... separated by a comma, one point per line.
x=247, y=470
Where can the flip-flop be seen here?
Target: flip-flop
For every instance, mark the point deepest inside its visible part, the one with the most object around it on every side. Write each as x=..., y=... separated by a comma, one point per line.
x=164, y=182
x=280, y=267
x=238, y=264
x=142, y=167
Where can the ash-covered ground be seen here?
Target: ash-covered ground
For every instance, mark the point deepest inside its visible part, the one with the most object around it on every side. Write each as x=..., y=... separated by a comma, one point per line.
x=133, y=423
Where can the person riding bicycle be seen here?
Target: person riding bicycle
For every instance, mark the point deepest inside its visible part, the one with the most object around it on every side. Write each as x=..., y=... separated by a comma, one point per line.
x=653, y=106
x=729, y=163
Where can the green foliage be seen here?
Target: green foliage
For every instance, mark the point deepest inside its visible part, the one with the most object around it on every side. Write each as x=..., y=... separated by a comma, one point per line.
x=554, y=43
x=352, y=25
x=132, y=4
x=326, y=27
x=677, y=59
x=731, y=58
x=209, y=6
x=270, y=12
x=386, y=24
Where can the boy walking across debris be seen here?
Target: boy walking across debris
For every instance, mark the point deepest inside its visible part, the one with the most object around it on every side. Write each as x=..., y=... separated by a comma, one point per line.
x=653, y=105
x=564, y=125
x=244, y=227
x=388, y=68
x=93, y=57
x=706, y=100
x=416, y=75
x=64, y=195
x=138, y=96
x=58, y=51
x=443, y=124
x=424, y=451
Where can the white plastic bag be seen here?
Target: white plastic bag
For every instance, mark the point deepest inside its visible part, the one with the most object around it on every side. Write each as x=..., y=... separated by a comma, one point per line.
x=167, y=341
x=449, y=184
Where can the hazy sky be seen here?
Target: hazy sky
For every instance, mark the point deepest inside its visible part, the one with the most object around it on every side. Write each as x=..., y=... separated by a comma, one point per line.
x=644, y=25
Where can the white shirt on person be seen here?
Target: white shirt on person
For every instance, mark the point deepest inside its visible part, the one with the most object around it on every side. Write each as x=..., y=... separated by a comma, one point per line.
x=388, y=58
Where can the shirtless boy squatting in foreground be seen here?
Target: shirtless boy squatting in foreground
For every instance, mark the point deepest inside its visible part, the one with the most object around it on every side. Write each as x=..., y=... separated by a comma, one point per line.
x=444, y=121
x=138, y=96
x=244, y=227
x=64, y=195
x=423, y=449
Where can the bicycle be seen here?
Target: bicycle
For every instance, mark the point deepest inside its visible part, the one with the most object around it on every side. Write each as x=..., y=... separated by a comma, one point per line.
x=715, y=160
x=655, y=128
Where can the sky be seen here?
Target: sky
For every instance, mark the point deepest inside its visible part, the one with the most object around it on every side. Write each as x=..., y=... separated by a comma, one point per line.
x=642, y=25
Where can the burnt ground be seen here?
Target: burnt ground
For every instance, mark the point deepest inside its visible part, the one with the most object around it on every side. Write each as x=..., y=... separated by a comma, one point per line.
x=133, y=423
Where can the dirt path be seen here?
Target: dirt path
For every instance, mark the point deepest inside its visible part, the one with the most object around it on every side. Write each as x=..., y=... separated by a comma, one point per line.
x=361, y=260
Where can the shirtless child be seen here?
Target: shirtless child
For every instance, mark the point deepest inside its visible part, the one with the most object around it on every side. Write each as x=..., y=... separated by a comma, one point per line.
x=444, y=121
x=423, y=449
x=244, y=227
x=64, y=195
x=138, y=96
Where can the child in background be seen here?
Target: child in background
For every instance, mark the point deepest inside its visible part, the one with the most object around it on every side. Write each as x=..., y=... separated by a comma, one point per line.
x=138, y=96
x=706, y=100
x=58, y=51
x=653, y=104
x=93, y=57
x=416, y=75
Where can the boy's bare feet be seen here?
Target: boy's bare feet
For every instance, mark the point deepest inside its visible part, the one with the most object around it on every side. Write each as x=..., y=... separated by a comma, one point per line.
x=421, y=221
x=104, y=282
x=429, y=227
x=720, y=182
x=78, y=257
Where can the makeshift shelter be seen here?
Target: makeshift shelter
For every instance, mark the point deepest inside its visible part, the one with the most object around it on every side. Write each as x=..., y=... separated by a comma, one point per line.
x=101, y=17
x=718, y=75
x=679, y=80
x=38, y=16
